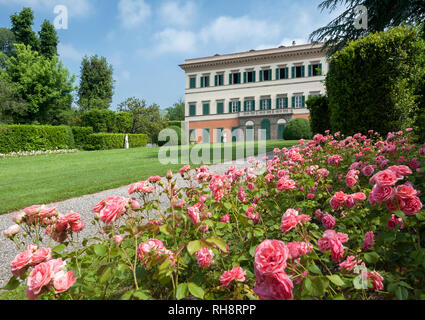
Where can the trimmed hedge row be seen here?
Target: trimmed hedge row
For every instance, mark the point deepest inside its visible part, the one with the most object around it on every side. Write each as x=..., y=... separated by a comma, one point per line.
x=81, y=135
x=15, y=138
x=175, y=123
x=296, y=129
x=107, y=141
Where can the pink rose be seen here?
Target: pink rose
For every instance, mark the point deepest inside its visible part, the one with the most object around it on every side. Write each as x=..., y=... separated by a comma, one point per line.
x=193, y=213
x=285, y=184
x=350, y=181
x=237, y=273
x=205, y=257
x=225, y=218
x=118, y=239
x=349, y=264
x=135, y=205
x=271, y=256
x=20, y=263
x=393, y=222
x=405, y=192
x=298, y=249
x=368, y=241
x=411, y=206
x=63, y=281
x=277, y=286
x=113, y=209
x=41, y=255
x=368, y=171
x=338, y=200
x=385, y=178
x=382, y=193
x=11, y=231
x=38, y=279
x=376, y=279
x=328, y=221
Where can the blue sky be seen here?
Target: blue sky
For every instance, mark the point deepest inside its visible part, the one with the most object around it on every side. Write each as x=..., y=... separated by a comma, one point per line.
x=145, y=40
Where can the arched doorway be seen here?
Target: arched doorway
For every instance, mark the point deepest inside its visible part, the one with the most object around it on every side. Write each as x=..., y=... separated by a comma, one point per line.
x=265, y=126
x=249, y=134
x=281, y=127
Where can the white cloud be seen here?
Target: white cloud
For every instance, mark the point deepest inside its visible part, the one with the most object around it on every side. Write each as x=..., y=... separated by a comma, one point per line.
x=234, y=31
x=75, y=7
x=67, y=51
x=171, y=40
x=173, y=14
x=133, y=12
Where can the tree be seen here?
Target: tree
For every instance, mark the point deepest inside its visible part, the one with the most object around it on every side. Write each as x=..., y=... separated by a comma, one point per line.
x=96, y=85
x=12, y=106
x=146, y=119
x=177, y=113
x=22, y=28
x=43, y=83
x=382, y=15
x=7, y=39
x=48, y=40
x=319, y=114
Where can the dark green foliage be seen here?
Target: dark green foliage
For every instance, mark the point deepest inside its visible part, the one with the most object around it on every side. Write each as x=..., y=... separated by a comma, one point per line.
x=48, y=40
x=99, y=120
x=7, y=39
x=17, y=138
x=296, y=129
x=382, y=15
x=124, y=122
x=81, y=135
x=107, y=141
x=173, y=141
x=175, y=123
x=177, y=112
x=371, y=83
x=96, y=85
x=22, y=28
x=319, y=114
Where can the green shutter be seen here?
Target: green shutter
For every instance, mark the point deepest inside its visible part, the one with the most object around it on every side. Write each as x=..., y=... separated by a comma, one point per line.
x=270, y=103
x=261, y=105
x=254, y=75
x=261, y=76
x=310, y=70
x=230, y=107
x=277, y=74
x=239, y=77
x=245, y=105
x=303, y=103
x=286, y=102
x=244, y=77
x=286, y=73
x=215, y=81
x=303, y=71
x=293, y=72
x=293, y=101
x=320, y=67
x=239, y=106
x=230, y=78
x=220, y=108
x=192, y=110
x=277, y=103
x=253, y=104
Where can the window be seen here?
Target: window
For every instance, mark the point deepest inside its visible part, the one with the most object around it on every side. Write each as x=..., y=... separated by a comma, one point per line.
x=266, y=104
x=315, y=70
x=265, y=75
x=205, y=82
x=249, y=76
x=219, y=80
x=220, y=107
x=206, y=109
x=234, y=106
x=192, y=82
x=298, y=101
x=235, y=78
x=249, y=105
x=282, y=73
x=298, y=72
x=282, y=103
x=192, y=135
x=192, y=110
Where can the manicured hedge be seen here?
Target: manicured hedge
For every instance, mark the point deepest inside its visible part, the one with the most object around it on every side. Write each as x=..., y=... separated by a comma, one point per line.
x=175, y=124
x=297, y=129
x=106, y=141
x=15, y=138
x=319, y=114
x=81, y=135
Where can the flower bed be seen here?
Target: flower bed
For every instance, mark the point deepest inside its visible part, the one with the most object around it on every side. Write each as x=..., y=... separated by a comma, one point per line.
x=334, y=218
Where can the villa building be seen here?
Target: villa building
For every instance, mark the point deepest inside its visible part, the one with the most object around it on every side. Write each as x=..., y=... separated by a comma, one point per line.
x=258, y=89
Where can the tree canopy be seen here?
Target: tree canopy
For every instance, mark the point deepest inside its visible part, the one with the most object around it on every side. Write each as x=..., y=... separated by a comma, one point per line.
x=22, y=28
x=177, y=112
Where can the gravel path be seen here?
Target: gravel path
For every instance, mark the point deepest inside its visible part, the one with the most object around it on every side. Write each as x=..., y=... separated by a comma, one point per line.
x=83, y=205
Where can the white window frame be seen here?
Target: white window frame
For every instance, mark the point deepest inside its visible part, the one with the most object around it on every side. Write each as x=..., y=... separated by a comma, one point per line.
x=266, y=104
x=250, y=105
x=298, y=101
x=235, y=107
x=282, y=103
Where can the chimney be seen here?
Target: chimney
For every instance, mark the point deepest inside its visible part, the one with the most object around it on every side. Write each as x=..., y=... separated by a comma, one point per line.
x=293, y=43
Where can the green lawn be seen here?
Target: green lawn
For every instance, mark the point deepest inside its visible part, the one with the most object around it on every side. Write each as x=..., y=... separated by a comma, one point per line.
x=42, y=179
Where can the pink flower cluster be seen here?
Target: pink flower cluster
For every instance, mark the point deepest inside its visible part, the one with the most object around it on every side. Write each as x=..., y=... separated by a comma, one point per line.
x=112, y=208
x=251, y=214
x=154, y=249
x=291, y=218
x=65, y=225
x=270, y=263
x=29, y=258
x=341, y=199
x=141, y=186
x=403, y=197
x=285, y=183
x=352, y=178
x=237, y=273
x=299, y=249
x=334, y=160
x=205, y=257
x=332, y=241
x=46, y=275
x=219, y=185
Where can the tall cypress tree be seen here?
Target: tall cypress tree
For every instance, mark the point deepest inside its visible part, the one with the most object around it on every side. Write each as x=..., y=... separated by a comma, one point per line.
x=96, y=85
x=48, y=40
x=22, y=28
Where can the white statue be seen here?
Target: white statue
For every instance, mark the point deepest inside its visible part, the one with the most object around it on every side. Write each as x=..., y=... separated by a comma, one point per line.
x=225, y=137
x=126, y=144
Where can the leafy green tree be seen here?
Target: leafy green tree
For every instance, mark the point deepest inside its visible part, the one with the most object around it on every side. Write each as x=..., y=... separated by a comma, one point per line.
x=319, y=114
x=43, y=83
x=96, y=85
x=101, y=120
x=177, y=112
x=12, y=106
x=382, y=15
x=7, y=39
x=48, y=40
x=22, y=28
x=124, y=122
x=146, y=119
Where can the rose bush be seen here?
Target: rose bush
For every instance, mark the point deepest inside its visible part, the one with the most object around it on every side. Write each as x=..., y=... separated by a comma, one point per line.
x=332, y=218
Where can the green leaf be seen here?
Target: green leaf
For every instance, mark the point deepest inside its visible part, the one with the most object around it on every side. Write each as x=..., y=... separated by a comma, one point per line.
x=182, y=291
x=194, y=246
x=128, y=295
x=335, y=279
x=106, y=275
x=402, y=293
x=314, y=269
x=252, y=251
x=420, y=216
x=164, y=229
x=100, y=250
x=218, y=242
x=142, y=295
x=371, y=257
x=12, y=284
x=400, y=214
x=316, y=286
x=59, y=248
x=195, y=290
x=339, y=297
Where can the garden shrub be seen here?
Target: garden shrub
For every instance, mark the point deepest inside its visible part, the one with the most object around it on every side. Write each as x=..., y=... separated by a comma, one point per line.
x=177, y=141
x=319, y=114
x=15, y=138
x=137, y=140
x=105, y=141
x=81, y=135
x=296, y=129
x=175, y=123
x=371, y=83
x=101, y=120
x=334, y=218
x=123, y=122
